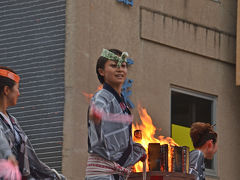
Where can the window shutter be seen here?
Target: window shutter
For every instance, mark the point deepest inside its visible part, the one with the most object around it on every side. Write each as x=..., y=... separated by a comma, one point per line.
x=32, y=41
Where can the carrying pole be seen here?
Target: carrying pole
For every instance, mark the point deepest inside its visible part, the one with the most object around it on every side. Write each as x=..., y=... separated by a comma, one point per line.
x=144, y=170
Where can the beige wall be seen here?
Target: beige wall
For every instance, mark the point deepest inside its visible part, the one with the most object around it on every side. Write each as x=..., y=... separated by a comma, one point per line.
x=238, y=47
x=186, y=43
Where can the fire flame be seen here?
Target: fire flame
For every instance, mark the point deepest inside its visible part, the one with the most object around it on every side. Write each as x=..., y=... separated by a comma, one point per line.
x=89, y=96
x=148, y=132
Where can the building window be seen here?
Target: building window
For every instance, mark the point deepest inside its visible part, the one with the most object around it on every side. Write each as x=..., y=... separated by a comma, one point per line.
x=188, y=107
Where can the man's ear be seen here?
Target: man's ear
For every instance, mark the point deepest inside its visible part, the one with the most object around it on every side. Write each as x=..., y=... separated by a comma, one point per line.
x=101, y=71
x=209, y=144
x=6, y=90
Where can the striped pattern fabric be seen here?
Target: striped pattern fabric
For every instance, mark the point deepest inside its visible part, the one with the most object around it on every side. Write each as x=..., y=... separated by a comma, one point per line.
x=32, y=42
x=98, y=166
x=196, y=164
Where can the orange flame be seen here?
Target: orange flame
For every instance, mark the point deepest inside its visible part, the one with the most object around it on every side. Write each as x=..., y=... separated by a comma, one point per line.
x=89, y=96
x=148, y=131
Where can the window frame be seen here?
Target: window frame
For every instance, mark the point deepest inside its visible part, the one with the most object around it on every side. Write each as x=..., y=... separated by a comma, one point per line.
x=217, y=1
x=209, y=172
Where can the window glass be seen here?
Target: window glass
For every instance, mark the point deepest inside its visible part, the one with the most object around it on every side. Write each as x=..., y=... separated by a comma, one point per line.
x=186, y=108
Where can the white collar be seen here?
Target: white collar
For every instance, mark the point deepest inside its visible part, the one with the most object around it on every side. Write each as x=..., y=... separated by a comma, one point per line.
x=7, y=119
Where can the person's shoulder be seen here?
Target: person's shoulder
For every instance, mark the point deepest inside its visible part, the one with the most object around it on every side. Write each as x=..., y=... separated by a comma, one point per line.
x=13, y=118
x=196, y=152
x=196, y=156
x=102, y=95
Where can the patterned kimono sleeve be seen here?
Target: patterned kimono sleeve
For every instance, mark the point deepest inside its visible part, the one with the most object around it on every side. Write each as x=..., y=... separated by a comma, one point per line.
x=5, y=150
x=138, y=152
x=94, y=133
x=38, y=169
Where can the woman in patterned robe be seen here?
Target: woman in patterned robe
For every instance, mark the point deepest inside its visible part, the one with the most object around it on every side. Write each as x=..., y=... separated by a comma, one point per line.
x=112, y=151
x=14, y=144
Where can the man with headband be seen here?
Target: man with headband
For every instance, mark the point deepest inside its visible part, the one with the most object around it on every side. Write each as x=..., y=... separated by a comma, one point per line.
x=204, y=140
x=112, y=151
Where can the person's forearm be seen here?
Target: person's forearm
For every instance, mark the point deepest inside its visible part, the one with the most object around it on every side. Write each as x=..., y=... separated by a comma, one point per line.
x=5, y=150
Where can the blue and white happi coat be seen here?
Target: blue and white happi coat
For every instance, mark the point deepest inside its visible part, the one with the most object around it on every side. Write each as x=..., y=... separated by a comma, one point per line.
x=111, y=140
x=196, y=164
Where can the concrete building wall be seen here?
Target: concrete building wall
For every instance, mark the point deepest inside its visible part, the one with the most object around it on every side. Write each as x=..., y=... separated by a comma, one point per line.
x=190, y=44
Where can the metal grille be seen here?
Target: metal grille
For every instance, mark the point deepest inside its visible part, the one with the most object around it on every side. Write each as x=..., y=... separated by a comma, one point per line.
x=32, y=40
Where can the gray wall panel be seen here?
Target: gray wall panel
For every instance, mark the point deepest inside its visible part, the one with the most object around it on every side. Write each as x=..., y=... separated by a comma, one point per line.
x=32, y=42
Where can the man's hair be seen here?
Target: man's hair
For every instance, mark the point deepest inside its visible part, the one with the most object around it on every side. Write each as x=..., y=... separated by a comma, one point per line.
x=102, y=61
x=4, y=81
x=202, y=132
